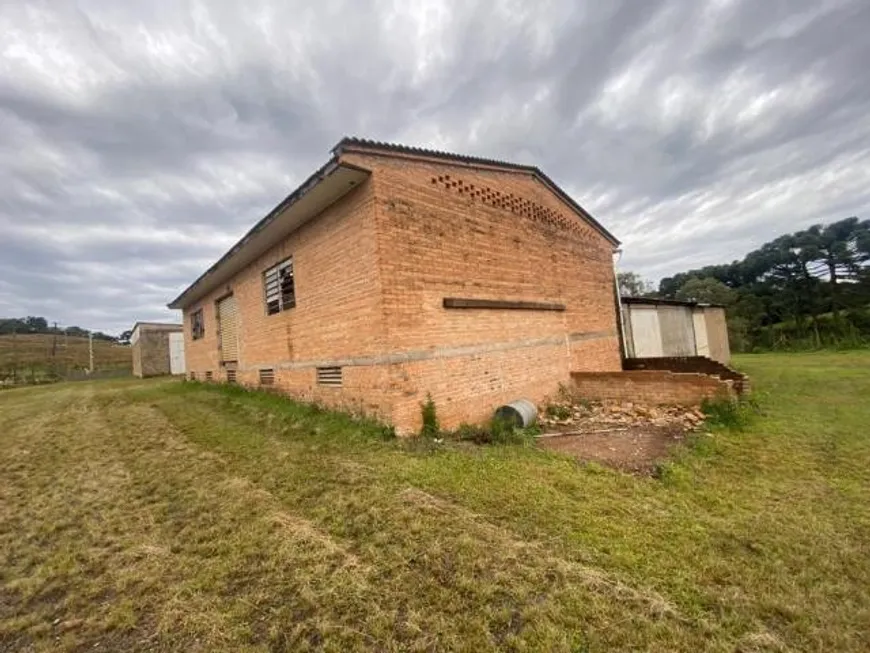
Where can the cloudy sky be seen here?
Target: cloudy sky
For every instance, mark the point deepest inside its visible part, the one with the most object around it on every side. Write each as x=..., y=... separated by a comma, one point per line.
x=139, y=140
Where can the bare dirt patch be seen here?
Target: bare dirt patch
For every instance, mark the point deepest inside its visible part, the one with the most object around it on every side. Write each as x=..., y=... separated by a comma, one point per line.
x=628, y=436
x=636, y=449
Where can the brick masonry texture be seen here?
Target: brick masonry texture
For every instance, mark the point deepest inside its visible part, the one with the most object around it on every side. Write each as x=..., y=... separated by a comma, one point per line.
x=371, y=275
x=698, y=364
x=650, y=387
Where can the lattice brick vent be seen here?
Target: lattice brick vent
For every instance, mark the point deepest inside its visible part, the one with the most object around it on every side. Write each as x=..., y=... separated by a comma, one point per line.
x=514, y=203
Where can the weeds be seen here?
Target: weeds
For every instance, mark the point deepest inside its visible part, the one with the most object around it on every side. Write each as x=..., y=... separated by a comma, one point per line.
x=496, y=431
x=728, y=413
x=431, y=428
x=558, y=411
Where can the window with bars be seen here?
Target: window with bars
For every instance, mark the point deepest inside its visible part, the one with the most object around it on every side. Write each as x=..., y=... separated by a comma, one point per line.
x=280, y=289
x=197, y=324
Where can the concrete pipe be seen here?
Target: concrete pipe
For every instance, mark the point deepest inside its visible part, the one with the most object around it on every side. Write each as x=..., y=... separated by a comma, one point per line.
x=521, y=412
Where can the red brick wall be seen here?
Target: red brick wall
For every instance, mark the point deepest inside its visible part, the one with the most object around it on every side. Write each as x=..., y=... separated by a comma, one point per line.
x=371, y=275
x=700, y=364
x=649, y=386
x=337, y=313
x=437, y=242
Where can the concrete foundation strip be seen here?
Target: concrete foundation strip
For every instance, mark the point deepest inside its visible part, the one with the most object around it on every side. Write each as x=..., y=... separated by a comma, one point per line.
x=436, y=353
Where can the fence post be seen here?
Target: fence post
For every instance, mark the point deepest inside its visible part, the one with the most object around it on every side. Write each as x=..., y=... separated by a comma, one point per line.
x=14, y=356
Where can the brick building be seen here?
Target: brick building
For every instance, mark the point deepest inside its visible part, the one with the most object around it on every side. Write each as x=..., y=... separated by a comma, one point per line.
x=394, y=272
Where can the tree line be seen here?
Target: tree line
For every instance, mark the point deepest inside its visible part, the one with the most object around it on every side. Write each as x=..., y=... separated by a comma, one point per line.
x=34, y=324
x=810, y=288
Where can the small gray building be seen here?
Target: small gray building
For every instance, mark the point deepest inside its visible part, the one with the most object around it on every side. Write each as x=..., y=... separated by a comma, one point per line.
x=664, y=328
x=158, y=349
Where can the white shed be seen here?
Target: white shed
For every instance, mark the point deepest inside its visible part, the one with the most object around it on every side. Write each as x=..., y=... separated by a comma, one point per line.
x=665, y=328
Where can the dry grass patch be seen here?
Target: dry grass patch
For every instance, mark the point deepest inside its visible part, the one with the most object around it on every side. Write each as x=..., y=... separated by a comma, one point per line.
x=177, y=517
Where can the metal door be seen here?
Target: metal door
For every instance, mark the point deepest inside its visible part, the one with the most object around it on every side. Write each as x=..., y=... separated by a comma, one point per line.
x=677, y=331
x=645, y=331
x=702, y=342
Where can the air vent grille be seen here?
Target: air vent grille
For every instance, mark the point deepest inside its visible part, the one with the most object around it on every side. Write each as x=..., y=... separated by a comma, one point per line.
x=330, y=376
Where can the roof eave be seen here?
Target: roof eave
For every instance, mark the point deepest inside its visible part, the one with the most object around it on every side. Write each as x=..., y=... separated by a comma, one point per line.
x=656, y=301
x=207, y=281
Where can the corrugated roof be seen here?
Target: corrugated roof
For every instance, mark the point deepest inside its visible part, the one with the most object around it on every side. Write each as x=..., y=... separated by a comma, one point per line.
x=656, y=301
x=422, y=151
x=364, y=143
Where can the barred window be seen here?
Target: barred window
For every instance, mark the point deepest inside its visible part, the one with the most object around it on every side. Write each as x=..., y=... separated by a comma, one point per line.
x=197, y=324
x=280, y=290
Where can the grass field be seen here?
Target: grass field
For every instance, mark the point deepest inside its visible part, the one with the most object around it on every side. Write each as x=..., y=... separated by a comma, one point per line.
x=164, y=516
x=36, y=356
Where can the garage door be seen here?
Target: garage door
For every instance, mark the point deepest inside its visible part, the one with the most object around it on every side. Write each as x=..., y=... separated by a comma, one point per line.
x=228, y=323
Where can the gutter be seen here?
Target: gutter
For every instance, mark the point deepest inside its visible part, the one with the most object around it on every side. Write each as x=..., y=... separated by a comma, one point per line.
x=619, y=314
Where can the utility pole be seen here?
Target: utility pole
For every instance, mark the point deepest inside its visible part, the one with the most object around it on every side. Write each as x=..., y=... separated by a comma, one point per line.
x=14, y=356
x=54, y=350
x=91, y=351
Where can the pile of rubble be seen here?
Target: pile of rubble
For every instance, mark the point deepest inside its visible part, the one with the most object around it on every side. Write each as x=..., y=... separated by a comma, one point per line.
x=608, y=415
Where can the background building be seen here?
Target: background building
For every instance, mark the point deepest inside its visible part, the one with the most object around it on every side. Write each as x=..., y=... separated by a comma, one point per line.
x=157, y=349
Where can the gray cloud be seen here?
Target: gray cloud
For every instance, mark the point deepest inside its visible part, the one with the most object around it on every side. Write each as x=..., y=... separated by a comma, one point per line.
x=139, y=142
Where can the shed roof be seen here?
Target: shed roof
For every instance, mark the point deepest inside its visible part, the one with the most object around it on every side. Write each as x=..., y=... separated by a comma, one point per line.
x=656, y=301
x=161, y=326
x=324, y=187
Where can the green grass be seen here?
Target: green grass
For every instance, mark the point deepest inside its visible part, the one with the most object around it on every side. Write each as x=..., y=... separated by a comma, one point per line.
x=173, y=516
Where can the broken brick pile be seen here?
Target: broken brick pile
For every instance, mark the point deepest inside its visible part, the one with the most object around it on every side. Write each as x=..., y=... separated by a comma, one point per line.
x=603, y=416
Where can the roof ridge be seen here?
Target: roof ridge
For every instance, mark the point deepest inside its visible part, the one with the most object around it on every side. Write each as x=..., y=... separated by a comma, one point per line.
x=413, y=149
